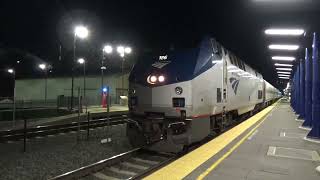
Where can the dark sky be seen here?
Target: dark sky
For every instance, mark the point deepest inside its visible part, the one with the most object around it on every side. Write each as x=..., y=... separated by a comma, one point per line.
x=32, y=31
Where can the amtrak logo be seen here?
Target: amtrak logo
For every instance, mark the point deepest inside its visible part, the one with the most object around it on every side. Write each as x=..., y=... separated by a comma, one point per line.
x=234, y=82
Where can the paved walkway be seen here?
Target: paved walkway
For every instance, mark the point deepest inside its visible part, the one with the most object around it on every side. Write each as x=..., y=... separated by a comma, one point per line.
x=267, y=146
x=275, y=150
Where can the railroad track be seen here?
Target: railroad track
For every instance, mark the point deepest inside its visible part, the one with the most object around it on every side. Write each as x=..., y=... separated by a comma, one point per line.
x=134, y=164
x=18, y=134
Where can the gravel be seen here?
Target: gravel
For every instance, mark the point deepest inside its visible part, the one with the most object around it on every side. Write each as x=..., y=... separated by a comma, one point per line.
x=51, y=156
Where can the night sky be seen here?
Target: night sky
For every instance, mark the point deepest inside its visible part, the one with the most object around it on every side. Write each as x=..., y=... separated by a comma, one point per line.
x=33, y=31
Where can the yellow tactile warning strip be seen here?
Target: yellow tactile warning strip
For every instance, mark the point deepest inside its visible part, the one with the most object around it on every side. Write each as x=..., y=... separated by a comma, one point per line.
x=183, y=166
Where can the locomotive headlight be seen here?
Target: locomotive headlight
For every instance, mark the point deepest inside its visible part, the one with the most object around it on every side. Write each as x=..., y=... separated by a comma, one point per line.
x=161, y=78
x=178, y=90
x=153, y=79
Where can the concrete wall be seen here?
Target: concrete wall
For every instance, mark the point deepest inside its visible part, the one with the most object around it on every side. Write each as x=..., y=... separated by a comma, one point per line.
x=34, y=89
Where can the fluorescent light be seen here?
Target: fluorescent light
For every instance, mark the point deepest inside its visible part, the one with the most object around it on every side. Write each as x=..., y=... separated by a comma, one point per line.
x=284, y=69
x=284, y=78
x=283, y=65
x=284, y=47
x=283, y=75
x=282, y=72
x=283, y=58
x=285, y=32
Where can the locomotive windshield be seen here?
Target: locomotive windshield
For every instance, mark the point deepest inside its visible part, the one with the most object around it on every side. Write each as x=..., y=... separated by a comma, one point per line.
x=177, y=66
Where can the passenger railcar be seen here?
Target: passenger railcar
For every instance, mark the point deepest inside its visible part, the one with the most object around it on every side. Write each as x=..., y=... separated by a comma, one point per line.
x=179, y=98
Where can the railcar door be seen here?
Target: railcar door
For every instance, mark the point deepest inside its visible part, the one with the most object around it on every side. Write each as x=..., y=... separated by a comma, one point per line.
x=219, y=55
x=224, y=77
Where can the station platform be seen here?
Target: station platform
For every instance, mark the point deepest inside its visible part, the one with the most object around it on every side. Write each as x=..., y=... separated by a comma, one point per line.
x=94, y=110
x=267, y=146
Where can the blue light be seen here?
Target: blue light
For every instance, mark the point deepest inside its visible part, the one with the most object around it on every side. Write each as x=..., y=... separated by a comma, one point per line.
x=104, y=89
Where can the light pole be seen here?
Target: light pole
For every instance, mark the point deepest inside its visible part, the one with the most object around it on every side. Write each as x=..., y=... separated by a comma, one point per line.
x=82, y=61
x=44, y=68
x=82, y=33
x=12, y=71
x=122, y=51
x=107, y=49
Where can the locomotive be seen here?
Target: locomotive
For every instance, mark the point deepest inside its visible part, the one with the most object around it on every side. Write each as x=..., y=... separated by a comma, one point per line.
x=181, y=97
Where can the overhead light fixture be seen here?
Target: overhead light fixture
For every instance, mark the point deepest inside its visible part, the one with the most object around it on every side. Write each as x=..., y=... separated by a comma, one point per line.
x=107, y=49
x=81, y=61
x=283, y=65
x=284, y=75
x=283, y=58
x=283, y=47
x=284, y=69
x=11, y=71
x=42, y=66
x=127, y=50
x=284, y=32
x=81, y=32
x=282, y=72
x=284, y=78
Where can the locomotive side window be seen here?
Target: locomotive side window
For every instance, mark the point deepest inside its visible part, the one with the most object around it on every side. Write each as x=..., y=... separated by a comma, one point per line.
x=219, y=95
x=216, y=47
x=260, y=94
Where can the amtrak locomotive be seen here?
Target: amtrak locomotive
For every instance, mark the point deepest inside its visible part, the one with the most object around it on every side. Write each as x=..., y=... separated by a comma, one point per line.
x=179, y=98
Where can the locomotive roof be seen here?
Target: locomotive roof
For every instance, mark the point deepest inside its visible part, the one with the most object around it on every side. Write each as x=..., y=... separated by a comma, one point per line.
x=178, y=65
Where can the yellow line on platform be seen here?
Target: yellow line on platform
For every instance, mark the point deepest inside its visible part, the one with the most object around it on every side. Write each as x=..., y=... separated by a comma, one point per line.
x=183, y=166
x=215, y=164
